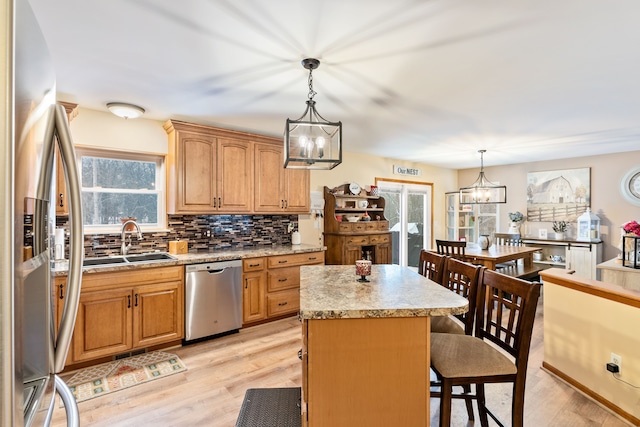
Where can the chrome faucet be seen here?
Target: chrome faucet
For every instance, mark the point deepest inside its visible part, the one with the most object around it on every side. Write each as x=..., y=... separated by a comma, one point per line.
x=125, y=247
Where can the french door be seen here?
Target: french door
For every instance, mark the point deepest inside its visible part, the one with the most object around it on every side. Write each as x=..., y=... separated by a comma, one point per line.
x=408, y=207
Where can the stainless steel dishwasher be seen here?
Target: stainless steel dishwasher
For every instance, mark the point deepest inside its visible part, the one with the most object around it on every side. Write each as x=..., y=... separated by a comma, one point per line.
x=213, y=298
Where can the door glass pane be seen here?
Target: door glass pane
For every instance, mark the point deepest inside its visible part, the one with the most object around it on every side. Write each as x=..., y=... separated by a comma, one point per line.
x=392, y=213
x=416, y=207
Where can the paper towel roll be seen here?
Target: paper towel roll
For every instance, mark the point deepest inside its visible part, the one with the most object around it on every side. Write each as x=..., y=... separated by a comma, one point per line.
x=59, y=243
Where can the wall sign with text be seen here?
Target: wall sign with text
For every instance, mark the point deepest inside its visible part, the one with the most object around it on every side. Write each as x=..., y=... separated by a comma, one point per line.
x=401, y=170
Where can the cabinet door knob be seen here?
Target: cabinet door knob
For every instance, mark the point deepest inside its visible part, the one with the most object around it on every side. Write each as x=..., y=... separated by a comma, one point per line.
x=128, y=301
x=136, y=304
x=61, y=200
x=282, y=304
x=61, y=291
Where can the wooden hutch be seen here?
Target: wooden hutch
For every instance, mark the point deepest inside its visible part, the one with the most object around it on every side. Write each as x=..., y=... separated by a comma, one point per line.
x=348, y=241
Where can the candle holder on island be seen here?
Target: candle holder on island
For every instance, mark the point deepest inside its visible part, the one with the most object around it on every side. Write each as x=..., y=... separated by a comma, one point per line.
x=363, y=269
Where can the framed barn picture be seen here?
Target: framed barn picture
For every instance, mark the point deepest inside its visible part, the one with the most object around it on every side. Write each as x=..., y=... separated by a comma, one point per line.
x=560, y=195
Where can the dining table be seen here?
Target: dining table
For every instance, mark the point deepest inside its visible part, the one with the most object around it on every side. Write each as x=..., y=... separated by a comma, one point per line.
x=500, y=254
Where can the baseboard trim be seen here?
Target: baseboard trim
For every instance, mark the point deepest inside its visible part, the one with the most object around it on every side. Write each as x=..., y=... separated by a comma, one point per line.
x=593, y=395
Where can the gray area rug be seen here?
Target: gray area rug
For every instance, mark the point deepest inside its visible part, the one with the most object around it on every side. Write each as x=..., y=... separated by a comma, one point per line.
x=270, y=407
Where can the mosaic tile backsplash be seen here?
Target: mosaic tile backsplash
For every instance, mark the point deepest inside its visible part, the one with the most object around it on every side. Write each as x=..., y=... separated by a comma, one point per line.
x=205, y=233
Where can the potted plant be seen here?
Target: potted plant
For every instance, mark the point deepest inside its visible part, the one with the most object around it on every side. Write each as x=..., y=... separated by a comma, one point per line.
x=516, y=218
x=559, y=227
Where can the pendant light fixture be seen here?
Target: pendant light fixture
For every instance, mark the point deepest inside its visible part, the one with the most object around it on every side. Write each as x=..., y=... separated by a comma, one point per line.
x=312, y=142
x=483, y=191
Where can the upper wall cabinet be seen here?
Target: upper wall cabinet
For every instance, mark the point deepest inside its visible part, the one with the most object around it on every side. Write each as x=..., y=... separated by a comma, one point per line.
x=278, y=190
x=214, y=170
x=207, y=171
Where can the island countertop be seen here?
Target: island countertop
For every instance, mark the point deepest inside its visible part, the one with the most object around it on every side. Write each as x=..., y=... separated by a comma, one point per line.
x=333, y=292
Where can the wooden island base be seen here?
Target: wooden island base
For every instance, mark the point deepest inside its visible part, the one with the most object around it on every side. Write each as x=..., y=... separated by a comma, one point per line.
x=368, y=372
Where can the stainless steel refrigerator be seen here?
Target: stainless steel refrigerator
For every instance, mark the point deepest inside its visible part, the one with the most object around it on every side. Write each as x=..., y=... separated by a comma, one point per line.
x=31, y=124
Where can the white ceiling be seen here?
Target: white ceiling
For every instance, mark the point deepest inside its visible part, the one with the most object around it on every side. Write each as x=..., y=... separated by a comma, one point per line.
x=426, y=81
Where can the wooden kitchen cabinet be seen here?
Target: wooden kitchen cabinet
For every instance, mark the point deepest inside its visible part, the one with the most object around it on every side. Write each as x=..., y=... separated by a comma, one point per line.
x=253, y=290
x=361, y=358
x=350, y=241
x=127, y=310
x=277, y=189
x=215, y=170
x=272, y=285
x=207, y=171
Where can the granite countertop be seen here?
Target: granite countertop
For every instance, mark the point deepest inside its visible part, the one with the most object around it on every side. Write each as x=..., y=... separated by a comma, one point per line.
x=333, y=292
x=61, y=268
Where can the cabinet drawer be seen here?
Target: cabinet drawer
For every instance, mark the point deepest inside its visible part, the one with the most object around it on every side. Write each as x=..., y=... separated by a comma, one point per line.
x=280, y=261
x=283, y=278
x=344, y=227
x=379, y=238
x=370, y=226
x=383, y=225
x=283, y=302
x=357, y=240
x=253, y=264
x=359, y=227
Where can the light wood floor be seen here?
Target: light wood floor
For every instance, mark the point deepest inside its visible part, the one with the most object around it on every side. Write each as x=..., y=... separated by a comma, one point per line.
x=211, y=391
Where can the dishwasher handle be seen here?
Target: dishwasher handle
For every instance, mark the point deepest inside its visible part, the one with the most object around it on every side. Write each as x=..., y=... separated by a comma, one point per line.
x=216, y=271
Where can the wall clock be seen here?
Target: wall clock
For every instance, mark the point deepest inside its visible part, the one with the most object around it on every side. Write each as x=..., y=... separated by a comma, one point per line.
x=630, y=186
x=354, y=188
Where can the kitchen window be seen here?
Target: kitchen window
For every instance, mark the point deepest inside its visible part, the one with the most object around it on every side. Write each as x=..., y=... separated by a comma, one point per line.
x=118, y=185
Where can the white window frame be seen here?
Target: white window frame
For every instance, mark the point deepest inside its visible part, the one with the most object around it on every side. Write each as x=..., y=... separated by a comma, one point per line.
x=160, y=182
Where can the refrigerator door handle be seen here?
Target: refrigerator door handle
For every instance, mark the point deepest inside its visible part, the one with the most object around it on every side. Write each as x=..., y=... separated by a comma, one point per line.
x=76, y=240
x=70, y=404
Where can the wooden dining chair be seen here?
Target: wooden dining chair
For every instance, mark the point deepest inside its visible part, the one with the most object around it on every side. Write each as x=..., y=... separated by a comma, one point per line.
x=504, y=322
x=507, y=239
x=452, y=248
x=431, y=265
x=463, y=279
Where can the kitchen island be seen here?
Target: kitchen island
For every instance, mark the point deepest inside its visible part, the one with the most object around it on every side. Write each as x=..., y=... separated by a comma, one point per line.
x=365, y=353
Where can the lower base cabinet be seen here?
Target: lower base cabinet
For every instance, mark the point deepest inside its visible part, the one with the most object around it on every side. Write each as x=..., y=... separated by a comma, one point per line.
x=581, y=257
x=353, y=373
x=126, y=310
x=345, y=249
x=271, y=285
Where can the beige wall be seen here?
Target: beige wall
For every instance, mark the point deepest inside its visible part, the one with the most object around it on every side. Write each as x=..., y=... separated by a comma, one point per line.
x=364, y=169
x=99, y=129
x=606, y=200
x=579, y=338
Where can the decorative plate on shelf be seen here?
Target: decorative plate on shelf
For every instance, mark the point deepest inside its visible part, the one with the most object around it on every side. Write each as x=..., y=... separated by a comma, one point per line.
x=630, y=186
x=355, y=188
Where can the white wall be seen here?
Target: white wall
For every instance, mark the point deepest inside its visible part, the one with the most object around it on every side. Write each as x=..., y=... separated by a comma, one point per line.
x=606, y=200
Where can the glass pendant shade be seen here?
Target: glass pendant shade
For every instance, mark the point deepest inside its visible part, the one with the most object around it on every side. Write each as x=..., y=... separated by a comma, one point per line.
x=312, y=142
x=483, y=191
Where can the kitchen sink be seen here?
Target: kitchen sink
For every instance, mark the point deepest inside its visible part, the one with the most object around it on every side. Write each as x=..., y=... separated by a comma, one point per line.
x=103, y=261
x=154, y=256
x=129, y=259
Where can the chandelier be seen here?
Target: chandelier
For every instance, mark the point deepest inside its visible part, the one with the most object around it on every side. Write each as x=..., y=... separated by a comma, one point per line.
x=312, y=142
x=483, y=191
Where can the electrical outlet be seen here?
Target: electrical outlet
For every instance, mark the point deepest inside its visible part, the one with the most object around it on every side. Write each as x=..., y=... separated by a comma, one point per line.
x=617, y=360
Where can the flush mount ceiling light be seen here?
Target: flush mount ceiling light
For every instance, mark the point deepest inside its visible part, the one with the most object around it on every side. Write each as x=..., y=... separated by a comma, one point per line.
x=483, y=191
x=311, y=142
x=124, y=110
